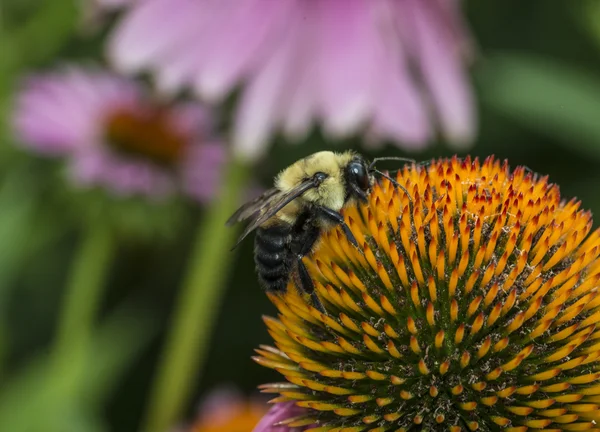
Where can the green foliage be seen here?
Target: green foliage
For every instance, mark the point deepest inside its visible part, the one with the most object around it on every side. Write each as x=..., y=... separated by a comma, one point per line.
x=42, y=397
x=549, y=96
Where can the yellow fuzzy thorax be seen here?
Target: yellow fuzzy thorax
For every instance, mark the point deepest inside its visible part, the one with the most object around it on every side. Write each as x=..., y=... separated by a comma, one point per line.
x=470, y=305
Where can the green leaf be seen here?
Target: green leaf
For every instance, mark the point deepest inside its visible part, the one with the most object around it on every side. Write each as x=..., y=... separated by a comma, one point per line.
x=551, y=97
x=68, y=398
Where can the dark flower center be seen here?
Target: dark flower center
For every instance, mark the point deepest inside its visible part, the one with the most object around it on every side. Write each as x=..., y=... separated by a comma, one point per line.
x=148, y=134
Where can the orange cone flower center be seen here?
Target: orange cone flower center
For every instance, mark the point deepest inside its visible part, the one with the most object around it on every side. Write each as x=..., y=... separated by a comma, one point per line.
x=147, y=134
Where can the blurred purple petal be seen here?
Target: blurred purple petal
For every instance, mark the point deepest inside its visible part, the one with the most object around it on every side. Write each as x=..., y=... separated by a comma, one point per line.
x=113, y=136
x=346, y=64
x=445, y=77
x=278, y=413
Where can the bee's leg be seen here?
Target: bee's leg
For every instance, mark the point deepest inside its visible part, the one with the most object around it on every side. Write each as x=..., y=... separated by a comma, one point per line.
x=307, y=285
x=304, y=244
x=336, y=218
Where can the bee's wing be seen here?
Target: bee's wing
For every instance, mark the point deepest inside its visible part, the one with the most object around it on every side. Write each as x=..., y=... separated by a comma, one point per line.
x=264, y=208
x=252, y=208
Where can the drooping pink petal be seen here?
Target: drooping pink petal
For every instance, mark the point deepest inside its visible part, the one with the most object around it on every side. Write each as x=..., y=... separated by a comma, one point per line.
x=278, y=413
x=393, y=68
x=347, y=78
x=202, y=170
x=142, y=37
x=442, y=72
x=251, y=26
x=266, y=98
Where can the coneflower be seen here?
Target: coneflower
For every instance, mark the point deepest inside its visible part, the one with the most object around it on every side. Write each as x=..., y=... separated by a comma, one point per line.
x=472, y=304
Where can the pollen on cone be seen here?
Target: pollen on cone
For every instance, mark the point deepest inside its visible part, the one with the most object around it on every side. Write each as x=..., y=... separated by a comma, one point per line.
x=473, y=303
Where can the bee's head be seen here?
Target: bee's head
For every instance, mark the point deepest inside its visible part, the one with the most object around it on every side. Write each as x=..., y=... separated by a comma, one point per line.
x=358, y=179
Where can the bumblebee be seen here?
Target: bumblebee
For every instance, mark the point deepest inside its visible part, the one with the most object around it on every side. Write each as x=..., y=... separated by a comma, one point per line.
x=305, y=202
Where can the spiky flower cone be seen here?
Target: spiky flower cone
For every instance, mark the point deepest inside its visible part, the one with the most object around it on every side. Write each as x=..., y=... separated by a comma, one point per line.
x=472, y=304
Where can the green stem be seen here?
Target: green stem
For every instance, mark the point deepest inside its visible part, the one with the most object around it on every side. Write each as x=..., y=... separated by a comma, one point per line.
x=84, y=289
x=198, y=303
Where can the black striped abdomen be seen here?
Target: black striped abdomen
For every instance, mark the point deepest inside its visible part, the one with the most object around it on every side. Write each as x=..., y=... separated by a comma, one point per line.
x=273, y=257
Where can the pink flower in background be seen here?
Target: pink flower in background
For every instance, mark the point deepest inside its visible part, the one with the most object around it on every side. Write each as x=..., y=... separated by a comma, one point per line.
x=395, y=67
x=227, y=410
x=115, y=137
x=280, y=412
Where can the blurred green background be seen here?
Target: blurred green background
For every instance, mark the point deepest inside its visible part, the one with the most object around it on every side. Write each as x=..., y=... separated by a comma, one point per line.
x=537, y=80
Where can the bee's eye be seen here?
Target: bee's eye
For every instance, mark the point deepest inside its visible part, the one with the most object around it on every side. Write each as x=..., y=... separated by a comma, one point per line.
x=320, y=177
x=358, y=174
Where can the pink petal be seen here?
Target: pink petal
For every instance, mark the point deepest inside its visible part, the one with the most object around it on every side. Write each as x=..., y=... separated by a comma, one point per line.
x=140, y=39
x=399, y=113
x=444, y=74
x=266, y=98
x=202, y=170
x=348, y=39
x=240, y=44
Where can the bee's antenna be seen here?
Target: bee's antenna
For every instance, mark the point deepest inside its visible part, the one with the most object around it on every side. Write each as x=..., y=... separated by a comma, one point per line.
x=385, y=158
x=395, y=183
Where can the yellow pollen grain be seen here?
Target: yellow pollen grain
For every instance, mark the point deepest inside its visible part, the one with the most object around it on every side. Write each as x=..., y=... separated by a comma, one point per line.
x=414, y=294
x=489, y=400
x=387, y=305
x=473, y=306
x=453, y=310
x=388, y=329
x=411, y=325
x=460, y=334
x=369, y=329
x=417, y=268
x=453, y=283
x=541, y=404
x=464, y=262
x=468, y=406
x=401, y=270
x=376, y=376
x=465, y=358
x=439, y=339
x=477, y=324
x=501, y=266
x=491, y=295
x=471, y=281
x=371, y=345
x=494, y=315
x=348, y=347
x=484, y=348
x=432, y=289
x=516, y=323
x=372, y=304
x=351, y=304
x=406, y=395
x=478, y=263
x=349, y=323
x=423, y=369
x=414, y=345
x=430, y=314
x=384, y=277
x=440, y=265
x=479, y=386
x=393, y=350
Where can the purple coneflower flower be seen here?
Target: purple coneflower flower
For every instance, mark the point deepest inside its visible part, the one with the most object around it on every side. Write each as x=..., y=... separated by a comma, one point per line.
x=227, y=410
x=395, y=67
x=115, y=137
x=280, y=412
